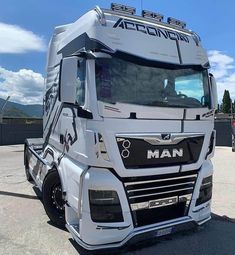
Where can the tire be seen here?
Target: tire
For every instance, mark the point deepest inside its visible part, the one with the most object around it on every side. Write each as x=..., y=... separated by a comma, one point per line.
x=52, y=199
x=26, y=166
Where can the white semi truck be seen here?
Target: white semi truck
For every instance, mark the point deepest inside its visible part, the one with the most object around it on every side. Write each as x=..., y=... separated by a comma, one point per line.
x=128, y=128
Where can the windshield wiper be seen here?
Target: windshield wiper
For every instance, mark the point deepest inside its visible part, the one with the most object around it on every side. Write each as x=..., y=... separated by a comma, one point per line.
x=157, y=103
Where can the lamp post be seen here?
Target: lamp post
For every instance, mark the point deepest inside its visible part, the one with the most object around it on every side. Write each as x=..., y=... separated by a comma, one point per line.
x=3, y=108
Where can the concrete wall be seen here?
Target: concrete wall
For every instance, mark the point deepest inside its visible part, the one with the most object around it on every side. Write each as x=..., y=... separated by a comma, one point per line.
x=16, y=133
x=223, y=132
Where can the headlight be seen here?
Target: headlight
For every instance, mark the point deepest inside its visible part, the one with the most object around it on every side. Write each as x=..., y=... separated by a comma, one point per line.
x=105, y=206
x=205, y=191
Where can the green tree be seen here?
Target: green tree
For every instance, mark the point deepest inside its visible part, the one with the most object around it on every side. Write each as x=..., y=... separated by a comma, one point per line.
x=226, y=102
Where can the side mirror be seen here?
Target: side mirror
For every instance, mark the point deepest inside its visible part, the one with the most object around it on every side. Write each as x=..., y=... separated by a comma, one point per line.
x=214, y=95
x=68, y=80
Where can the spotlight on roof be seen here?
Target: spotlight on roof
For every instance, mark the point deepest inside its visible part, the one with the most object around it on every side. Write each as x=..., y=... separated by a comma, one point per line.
x=152, y=15
x=123, y=8
x=176, y=22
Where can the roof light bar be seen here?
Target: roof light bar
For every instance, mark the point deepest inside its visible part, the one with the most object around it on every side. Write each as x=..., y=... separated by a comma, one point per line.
x=152, y=15
x=176, y=22
x=123, y=8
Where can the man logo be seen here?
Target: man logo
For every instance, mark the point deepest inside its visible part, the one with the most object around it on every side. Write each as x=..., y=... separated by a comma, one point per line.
x=174, y=153
x=166, y=137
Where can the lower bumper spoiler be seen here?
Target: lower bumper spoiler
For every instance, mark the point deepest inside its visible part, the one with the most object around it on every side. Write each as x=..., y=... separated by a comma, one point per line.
x=139, y=235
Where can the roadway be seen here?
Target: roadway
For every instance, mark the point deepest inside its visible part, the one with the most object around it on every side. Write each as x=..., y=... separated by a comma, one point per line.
x=26, y=229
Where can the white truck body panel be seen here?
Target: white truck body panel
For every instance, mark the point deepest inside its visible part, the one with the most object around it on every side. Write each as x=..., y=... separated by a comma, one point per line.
x=111, y=149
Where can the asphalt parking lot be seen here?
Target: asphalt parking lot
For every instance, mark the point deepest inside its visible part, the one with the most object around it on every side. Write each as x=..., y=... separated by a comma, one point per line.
x=26, y=229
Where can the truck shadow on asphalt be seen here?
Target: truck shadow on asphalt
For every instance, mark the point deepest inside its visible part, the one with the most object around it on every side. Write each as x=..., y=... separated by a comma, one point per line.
x=215, y=237
x=13, y=194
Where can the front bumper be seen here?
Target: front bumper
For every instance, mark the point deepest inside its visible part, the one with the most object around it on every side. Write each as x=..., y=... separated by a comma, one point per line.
x=143, y=234
x=94, y=235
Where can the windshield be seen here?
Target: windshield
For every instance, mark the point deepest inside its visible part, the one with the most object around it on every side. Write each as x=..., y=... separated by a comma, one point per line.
x=120, y=81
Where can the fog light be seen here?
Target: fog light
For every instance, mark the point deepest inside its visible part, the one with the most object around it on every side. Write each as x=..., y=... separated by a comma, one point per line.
x=105, y=206
x=205, y=191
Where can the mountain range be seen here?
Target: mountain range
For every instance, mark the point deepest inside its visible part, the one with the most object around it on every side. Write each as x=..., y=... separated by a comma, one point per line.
x=19, y=110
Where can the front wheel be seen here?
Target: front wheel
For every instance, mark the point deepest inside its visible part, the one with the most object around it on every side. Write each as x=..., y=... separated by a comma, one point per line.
x=53, y=199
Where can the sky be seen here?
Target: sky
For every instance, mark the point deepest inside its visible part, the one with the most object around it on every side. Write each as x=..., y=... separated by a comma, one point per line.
x=26, y=27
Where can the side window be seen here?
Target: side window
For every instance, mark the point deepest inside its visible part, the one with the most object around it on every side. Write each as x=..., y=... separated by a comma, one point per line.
x=80, y=88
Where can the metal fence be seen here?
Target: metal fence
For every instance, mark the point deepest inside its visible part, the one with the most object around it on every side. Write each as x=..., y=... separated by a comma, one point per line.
x=16, y=130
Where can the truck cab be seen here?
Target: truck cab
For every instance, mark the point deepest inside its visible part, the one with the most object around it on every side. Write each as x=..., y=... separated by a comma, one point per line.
x=128, y=128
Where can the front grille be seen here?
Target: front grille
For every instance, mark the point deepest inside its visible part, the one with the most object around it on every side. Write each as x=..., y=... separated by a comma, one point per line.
x=140, y=152
x=158, y=198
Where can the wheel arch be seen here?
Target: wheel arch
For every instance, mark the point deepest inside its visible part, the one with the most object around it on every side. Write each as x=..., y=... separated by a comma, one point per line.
x=55, y=168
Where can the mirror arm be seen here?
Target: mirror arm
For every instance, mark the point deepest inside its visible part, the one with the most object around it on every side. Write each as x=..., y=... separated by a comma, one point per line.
x=80, y=111
x=84, y=113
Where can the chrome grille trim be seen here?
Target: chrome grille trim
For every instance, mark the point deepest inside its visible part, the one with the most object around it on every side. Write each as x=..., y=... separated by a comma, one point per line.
x=156, y=138
x=160, y=180
x=160, y=187
x=160, y=193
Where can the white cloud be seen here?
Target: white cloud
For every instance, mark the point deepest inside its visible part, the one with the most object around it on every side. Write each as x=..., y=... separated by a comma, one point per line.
x=14, y=39
x=24, y=86
x=223, y=68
